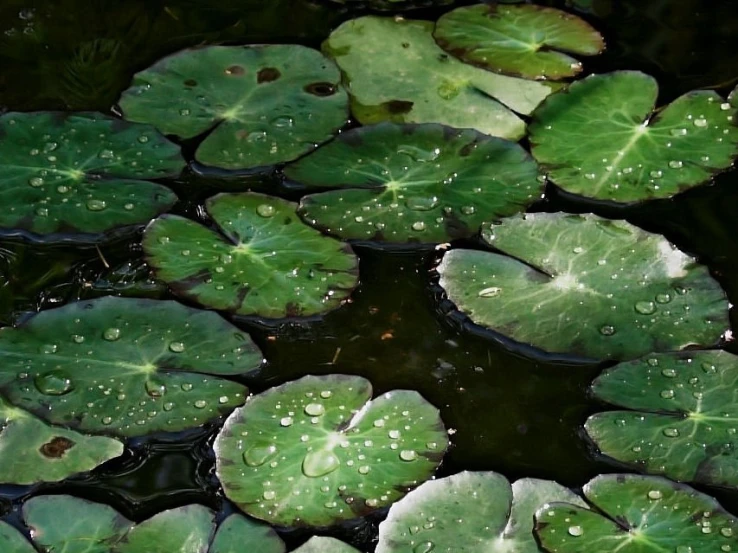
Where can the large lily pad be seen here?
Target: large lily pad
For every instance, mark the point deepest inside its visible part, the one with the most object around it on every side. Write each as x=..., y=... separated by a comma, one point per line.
x=260, y=260
x=523, y=40
x=396, y=72
x=474, y=512
x=81, y=173
x=318, y=450
x=125, y=366
x=260, y=104
x=31, y=451
x=602, y=139
x=638, y=514
x=684, y=422
x=414, y=183
x=586, y=285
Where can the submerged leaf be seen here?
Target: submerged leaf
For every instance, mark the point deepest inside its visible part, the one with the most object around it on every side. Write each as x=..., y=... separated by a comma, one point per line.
x=396, y=72
x=259, y=105
x=261, y=260
x=319, y=450
x=522, y=40
x=602, y=139
x=585, y=285
x=414, y=183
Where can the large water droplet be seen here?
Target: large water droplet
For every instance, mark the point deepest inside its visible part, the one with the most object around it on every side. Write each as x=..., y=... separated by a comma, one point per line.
x=259, y=454
x=408, y=455
x=607, y=330
x=111, y=334
x=421, y=203
x=265, y=210
x=418, y=226
x=319, y=463
x=424, y=547
x=176, y=347
x=655, y=494
x=645, y=307
x=491, y=292
x=663, y=298
x=670, y=432
x=314, y=409
x=283, y=122
x=575, y=531
x=53, y=383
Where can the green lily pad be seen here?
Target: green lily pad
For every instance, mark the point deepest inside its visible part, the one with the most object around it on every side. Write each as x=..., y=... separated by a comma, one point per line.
x=261, y=260
x=684, y=419
x=396, y=72
x=12, y=541
x=31, y=451
x=602, y=139
x=238, y=534
x=585, y=285
x=319, y=544
x=414, y=183
x=318, y=450
x=474, y=512
x=81, y=173
x=522, y=40
x=125, y=366
x=261, y=105
x=187, y=529
x=638, y=514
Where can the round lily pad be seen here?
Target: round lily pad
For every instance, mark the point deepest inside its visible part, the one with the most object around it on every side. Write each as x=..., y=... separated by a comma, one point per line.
x=586, y=285
x=522, y=40
x=320, y=544
x=474, y=512
x=260, y=259
x=684, y=419
x=12, y=541
x=125, y=366
x=414, y=183
x=258, y=105
x=319, y=450
x=32, y=451
x=602, y=139
x=638, y=514
x=396, y=72
x=81, y=173
x=238, y=534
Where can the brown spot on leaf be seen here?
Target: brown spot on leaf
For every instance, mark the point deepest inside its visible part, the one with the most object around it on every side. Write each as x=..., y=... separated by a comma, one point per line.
x=190, y=82
x=320, y=89
x=398, y=106
x=236, y=70
x=56, y=447
x=267, y=75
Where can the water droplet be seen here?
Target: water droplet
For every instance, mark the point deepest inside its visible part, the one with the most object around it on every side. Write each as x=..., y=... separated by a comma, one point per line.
x=656, y=174
x=364, y=469
x=53, y=383
x=111, y=334
x=683, y=549
x=669, y=373
x=424, y=547
x=663, y=298
x=106, y=154
x=408, y=455
x=314, y=409
x=655, y=494
x=700, y=122
x=143, y=139
x=421, y=203
x=726, y=531
x=678, y=132
x=607, y=330
x=286, y=421
x=575, y=531
x=200, y=404
x=283, y=122
x=259, y=454
x=325, y=394
x=676, y=164
x=418, y=226
x=667, y=394
x=96, y=205
x=319, y=463
x=419, y=154
x=394, y=434
x=107, y=420
x=176, y=347
x=48, y=348
x=42, y=212
x=128, y=207
x=168, y=406
x=269, y=494
x=265, y=210
x=36, y=182
x=645, y=307
x=78, y=338
x=155, y=388
x=186, y=386
x=670, y=432
x=709, y=368
x=468, y=209
x=184, y=112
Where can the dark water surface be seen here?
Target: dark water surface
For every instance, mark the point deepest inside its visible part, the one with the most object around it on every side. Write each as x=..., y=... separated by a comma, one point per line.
x=514, y=411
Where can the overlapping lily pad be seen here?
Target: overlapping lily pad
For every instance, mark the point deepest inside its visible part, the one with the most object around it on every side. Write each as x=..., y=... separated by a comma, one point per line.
x=684, y=419
x=414, y=183
x=638, y=514
x=238, y=534
x=31, y=451
x=126, y=367
x=12, y=541
x=474, y=512
x=602, y=138
x=522, y=40
x=318, y=450
x=259, y=105
x=319, y=544
x=81, y=173
x=585, y=285
x=260, y=260
x=396, y=72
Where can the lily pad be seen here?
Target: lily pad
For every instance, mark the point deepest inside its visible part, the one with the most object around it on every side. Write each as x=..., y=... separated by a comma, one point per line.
x=638, y=514
x=522, y=40
x=474, y=512
x=31, y=451
x=238, y=534
x=318, y=450
x=125, y=366
x=684, y=419
x=260, y=260
x=319, y=544
x=586, y=285
x=257, y=105
x=187, y=529
x=602, y=138
x=81, y=173
x=396, y=72
x=414, y=183
x=12, y=541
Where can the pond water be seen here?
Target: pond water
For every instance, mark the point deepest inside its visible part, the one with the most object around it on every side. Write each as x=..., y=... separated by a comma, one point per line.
x=514, y=411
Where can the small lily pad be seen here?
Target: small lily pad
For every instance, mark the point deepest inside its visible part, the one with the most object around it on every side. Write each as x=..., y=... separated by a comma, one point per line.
x=522, y=40
x=12, y=541
x=474, y=512
x=126, y=367
x=638, y=514
x=586, y=285
x=396, y=72
x=684, y=419
x=320, y=544
x=31, y=451
x=414, y=183
x=318, y=450
x=602, y=138
x=260, y=260
x=238, y=534
x=81, y=173
x=187, y=529
x=258, y=105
